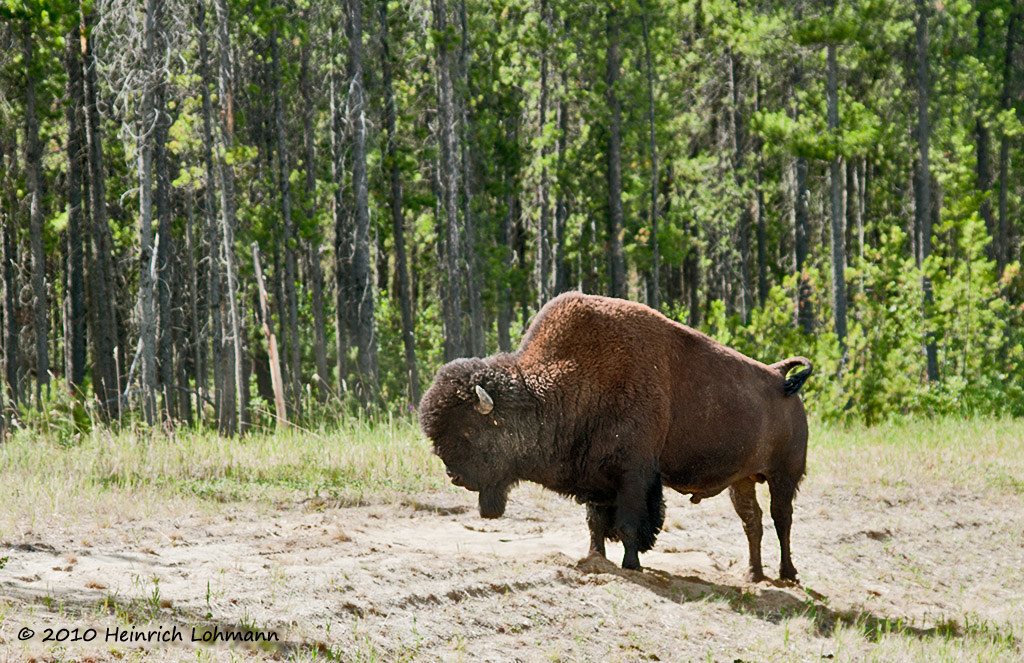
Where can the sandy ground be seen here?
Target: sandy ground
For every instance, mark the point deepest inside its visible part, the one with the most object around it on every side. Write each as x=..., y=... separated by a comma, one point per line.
x=428, y=579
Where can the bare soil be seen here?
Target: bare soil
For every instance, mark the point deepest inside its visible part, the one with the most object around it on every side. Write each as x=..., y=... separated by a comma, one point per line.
x=899, y=573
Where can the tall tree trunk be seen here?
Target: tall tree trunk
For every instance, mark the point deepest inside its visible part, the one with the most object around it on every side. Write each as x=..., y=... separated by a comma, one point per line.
x=197, y=335
x=1002, y=248
x=103, y=330
x=34, y=162
x=342, y=234
x=361, y=272
x=922, y=209
x=476, y=308
x=290, y=236
x=397, y=219
x=616, y=259
x=74, y=95
x=759, y=212
x=452, y=316
x=167, y=296
x=561, y=204
x=542, y=266
x=11, y=396
x=223, y=394
x=144, y=149
x=654, y=296
x=835, y=199
x=739, y=147
x=982, y=143
x=238, y=416
x=801, y=218
x=314, y=269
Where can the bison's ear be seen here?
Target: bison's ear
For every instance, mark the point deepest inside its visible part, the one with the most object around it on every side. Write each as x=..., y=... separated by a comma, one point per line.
x=484, y=403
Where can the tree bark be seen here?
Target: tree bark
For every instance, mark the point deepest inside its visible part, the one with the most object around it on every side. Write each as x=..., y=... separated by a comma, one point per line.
x=476, y=308
x=739, y=146
x=168, y=297
x=1002, y=248
x=103, y=331
x=616, y=259
x=342, y=234
x=835, y=202
x=922, y=208
x=561, y=204
x=397, y=219
x=227, y=185
x=361, y=272
x=223, y=394
x=290, y=236
x=275, y=361
x=452, y=316
x=654, y=297
x=542, y=268
x=12, y=394
x=313, y=268
x=74, y=95
x=33, y=160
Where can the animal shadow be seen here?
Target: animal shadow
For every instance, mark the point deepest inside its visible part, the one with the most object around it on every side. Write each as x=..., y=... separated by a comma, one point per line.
x=782, y=600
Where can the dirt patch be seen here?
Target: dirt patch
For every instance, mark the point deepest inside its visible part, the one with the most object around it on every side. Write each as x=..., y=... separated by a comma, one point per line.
x=910, y=572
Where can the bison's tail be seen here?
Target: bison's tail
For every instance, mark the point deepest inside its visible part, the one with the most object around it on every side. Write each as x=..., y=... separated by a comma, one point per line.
x=793, y=382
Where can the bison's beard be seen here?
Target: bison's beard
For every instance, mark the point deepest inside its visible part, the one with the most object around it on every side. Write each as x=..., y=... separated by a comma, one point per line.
x=492, y=501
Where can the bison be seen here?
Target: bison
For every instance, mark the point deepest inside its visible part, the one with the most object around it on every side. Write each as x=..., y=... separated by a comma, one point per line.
x=608, y=400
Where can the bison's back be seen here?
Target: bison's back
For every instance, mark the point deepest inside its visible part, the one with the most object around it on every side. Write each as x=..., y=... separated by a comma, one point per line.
x=631, y=381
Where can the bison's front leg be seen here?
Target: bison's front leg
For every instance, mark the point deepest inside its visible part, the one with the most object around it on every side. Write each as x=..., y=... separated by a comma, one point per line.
x=601, y=521
x=639, y=514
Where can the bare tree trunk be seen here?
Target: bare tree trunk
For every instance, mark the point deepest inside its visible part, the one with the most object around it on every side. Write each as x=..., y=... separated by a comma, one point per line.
x=397, y=220
x=197, y=336
x=314, y=269
x=342, y=236
x=144, y=149
x=616, y=259
x=167, y=296
x=922, y=209
x=275, y=361
x=542, y=268
x=74, y=95
x=223, y=393
x=227, y=182
x=33, y=160
x=1002, y=248
x=654, y=298
x=739, y=146
x=836, y=192
x=561, y=204
x=476, y=308
x=12, y=395
x=361, y=272
x=452, y=316
x=760, y=221
x=102, y=320
x=295, y=359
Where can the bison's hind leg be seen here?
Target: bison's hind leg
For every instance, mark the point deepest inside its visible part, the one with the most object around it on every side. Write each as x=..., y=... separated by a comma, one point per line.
x=783, y=490
x=744, y=500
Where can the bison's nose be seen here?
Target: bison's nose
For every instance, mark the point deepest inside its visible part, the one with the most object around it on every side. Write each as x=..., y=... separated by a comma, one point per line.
x=455, y=478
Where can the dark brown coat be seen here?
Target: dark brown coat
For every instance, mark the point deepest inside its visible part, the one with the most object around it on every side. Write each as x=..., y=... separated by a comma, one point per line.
x=607, y=400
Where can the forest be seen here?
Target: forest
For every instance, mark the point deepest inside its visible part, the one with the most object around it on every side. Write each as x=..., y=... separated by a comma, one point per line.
x=246, y=214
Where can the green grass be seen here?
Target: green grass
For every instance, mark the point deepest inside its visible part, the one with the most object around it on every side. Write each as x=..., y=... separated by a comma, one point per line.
x=137, y=473
x=961, y=454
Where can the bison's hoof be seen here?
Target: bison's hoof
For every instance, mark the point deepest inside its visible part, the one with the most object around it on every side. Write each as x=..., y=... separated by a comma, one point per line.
x=755, y=576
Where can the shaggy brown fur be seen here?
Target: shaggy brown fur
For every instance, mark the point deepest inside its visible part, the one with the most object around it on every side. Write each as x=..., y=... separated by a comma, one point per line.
x=607, y=400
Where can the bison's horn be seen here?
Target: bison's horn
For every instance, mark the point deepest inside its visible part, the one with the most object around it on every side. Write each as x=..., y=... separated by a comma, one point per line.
x=485, y=405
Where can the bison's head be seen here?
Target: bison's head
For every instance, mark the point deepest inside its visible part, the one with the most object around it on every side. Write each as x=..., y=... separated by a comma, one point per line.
x=475, y=413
